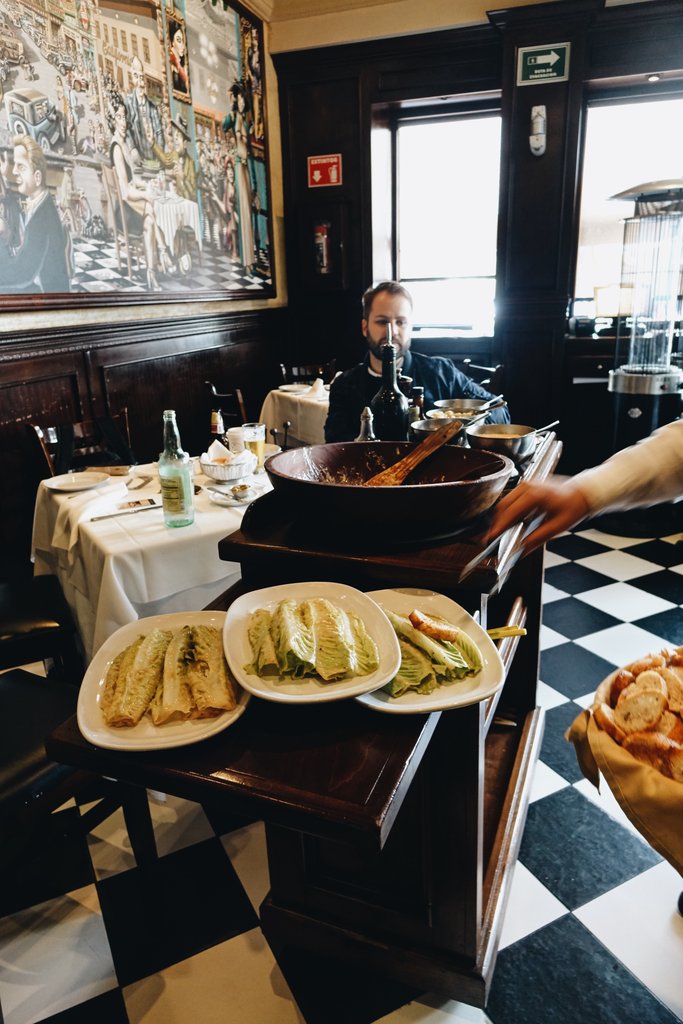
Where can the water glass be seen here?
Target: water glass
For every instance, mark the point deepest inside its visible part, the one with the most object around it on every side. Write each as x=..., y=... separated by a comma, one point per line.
x=255, y=441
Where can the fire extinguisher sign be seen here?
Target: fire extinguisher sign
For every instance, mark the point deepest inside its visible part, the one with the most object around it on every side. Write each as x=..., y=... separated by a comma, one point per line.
x=324, y=170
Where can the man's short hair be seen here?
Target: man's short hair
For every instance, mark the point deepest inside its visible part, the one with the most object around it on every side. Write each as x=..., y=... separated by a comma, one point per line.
x=35, y=157
x=391, y=287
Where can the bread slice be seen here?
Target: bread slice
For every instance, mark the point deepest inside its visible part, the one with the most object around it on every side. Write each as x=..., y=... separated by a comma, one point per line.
x=638, y=710
x=671, y=726
x=621, y=680
x=656, y=750
x=643, y=664
x=434, y=626
x=652, y=679
x=604, y=717
x=674, y=685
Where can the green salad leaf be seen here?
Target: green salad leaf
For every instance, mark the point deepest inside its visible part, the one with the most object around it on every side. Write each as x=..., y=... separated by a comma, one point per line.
x=427, y=662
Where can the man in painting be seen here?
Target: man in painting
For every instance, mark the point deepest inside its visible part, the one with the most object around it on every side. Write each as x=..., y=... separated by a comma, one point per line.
x=177, y=57
x=144, y=120
x=179, y=160
x=39, y=262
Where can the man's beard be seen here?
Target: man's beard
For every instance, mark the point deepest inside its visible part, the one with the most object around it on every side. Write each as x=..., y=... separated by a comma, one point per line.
x=377, y=347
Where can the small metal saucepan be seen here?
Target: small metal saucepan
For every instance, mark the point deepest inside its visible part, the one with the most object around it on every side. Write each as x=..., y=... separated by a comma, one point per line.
x=515, y=440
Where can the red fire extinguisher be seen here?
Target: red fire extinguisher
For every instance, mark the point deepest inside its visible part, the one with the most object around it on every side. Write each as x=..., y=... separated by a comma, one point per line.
x=321, y=237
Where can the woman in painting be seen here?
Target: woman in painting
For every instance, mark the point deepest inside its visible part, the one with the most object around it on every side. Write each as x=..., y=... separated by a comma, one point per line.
x=177, y=57
x=238, y=122
x=137, y=205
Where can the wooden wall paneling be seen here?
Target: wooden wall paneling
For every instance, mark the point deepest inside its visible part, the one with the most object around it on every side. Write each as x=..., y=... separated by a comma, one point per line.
x=52, y=387
x=145, y=366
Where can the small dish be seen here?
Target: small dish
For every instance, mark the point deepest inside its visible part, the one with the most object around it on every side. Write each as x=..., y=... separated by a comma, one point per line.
x=76, y=481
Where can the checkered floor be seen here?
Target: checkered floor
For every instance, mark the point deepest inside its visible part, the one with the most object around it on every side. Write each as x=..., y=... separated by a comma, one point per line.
x=98, y=270
x=591, y=934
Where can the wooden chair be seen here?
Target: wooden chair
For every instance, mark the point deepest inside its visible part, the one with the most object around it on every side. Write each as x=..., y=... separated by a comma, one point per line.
x=306, y=373
x=490, y=377
x=231, y=405
x=32, y=786
x=36, y=625
x=131, y=242
x=61, y=447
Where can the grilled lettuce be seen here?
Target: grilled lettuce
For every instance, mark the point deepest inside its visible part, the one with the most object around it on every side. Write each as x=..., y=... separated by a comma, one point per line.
x=313, y=638
x=427, y=662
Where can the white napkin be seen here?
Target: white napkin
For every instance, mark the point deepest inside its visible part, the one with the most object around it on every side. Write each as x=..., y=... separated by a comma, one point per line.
x=217, y=452
x=75, y=509
x=316, y=390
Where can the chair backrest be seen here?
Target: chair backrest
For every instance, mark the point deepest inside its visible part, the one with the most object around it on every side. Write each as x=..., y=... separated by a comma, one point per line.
x=306, y=373
x=61, y=447
x=230, y=403
x=118, y=217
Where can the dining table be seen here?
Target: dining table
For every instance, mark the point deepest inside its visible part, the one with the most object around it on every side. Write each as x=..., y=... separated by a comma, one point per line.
x=118, y=564
x=392, y=835
x=303, y=406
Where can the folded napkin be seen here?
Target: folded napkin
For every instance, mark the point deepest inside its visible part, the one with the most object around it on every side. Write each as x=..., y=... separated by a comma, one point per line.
x=217, y=452
x=316, y=390
x=76, y=509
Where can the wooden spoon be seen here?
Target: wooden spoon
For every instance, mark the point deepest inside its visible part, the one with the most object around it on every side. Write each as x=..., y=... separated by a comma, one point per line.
x=396, y=474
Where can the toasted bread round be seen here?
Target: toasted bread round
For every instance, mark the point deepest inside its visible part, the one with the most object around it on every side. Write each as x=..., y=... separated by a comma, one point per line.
x=434, y=626
x=639, y=709
x=671, y=725
x=621, y=680
x=674, y=685
x=652, y=679
x=604, y=716
x=649, y=661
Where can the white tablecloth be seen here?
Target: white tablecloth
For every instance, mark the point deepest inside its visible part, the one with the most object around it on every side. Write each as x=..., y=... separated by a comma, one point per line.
x=172, y=211
x=118, y=570
x=307, y=415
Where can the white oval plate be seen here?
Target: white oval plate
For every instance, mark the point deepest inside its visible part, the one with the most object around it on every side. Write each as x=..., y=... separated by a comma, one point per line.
x=145, y=735
x=453, y=695
x=229, y=500
x=309, y=690
x=294, y=389
x=76, y=481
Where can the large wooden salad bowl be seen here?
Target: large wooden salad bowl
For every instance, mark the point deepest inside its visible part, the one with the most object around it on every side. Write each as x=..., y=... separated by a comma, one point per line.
x=326, y=482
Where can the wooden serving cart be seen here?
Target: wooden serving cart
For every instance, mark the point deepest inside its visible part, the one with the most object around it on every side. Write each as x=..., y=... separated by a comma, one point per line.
x=391, y=838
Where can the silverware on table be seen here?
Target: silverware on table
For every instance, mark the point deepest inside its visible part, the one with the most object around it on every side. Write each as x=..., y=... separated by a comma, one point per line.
x=125, y=512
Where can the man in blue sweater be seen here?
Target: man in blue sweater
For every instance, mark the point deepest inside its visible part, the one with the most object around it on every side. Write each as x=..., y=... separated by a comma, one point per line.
x=391, y=303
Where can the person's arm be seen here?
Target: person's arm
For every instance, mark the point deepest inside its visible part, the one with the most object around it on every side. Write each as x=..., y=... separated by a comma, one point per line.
x=648, y=472
x=21, y=270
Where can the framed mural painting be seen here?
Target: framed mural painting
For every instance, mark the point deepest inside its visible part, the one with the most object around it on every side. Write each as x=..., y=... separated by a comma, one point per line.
x=133, y=153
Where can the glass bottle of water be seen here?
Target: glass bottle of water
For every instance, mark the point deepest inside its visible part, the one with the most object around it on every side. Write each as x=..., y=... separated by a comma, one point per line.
x=175, y=476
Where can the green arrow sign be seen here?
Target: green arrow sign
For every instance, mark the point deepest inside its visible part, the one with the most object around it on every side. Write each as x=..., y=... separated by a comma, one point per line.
x=536, y=64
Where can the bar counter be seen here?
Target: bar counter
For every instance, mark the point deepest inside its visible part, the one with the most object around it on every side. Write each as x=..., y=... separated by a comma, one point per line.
x=391, y=838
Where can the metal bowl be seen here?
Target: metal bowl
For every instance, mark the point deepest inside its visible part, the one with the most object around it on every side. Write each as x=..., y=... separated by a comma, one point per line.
x=325, y=484
x=420, y=428
x=464, y=408
x=512, y=439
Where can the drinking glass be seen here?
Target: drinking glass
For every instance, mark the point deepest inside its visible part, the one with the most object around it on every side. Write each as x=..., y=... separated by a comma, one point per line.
x=255, y=441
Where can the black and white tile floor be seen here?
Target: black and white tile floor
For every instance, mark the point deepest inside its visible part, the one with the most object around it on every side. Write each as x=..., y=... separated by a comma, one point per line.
x=592, y=935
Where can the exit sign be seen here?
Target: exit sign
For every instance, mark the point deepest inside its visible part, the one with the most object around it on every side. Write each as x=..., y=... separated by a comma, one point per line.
x=537, y=64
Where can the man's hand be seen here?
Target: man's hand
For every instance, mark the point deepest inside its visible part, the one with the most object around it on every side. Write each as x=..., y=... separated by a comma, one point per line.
x=561, y=504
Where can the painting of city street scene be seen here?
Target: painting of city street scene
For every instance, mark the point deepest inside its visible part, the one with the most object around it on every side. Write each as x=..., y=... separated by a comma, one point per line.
x=133, y=157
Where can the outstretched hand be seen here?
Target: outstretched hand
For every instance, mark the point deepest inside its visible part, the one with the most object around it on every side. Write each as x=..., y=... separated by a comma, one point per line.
x=561, y=504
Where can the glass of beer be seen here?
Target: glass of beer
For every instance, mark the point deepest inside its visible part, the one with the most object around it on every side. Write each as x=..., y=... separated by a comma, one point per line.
x=255, y=441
